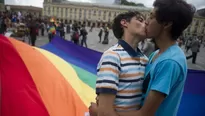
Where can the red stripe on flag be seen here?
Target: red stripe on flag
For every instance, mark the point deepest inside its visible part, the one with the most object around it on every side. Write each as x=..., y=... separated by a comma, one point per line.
x=19, y=95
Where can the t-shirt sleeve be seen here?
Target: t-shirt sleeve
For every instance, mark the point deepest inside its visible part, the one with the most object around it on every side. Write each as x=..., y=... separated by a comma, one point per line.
x=108, y=70
x=165, y=76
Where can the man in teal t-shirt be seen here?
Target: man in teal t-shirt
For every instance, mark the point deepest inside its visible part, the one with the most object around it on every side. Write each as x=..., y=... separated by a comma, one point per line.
x=167, y=75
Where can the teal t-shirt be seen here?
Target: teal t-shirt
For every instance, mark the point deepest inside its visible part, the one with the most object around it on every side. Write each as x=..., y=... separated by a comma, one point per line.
x=167, y=74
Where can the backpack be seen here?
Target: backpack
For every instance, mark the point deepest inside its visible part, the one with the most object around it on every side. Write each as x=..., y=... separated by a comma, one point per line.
x=76, y=36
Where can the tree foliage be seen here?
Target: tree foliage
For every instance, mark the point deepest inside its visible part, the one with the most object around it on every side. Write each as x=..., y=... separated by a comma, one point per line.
x=125, y=2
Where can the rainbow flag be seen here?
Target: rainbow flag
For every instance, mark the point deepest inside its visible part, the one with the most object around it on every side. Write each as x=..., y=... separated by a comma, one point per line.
x=59, y=78
x=36, y=82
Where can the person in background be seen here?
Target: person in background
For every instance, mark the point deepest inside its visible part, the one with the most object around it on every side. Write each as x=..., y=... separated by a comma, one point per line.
x=195, y=47
x=64, y=31
x=7, y=22
x=84, y=33
x=68, y=28
x=33, y=32
x=100, y=34
x=147, y=47
x=179, y=42
x=106, y=35
x=188, y=44
x=2, y=25
x=75, y=35
x=43, y=26
x=51, y=31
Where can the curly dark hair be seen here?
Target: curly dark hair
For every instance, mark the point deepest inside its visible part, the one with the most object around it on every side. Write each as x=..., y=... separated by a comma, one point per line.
x=117, y=27
x=178, y=12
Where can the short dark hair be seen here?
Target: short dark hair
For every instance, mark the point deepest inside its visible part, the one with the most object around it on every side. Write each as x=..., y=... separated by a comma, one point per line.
x=117, y=27
x=179, y=12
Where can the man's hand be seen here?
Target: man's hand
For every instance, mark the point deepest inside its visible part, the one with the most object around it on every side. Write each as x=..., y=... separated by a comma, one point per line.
x=93, y=109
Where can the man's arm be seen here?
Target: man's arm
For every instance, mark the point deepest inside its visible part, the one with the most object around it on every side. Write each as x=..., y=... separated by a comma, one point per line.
x=153, y=101
x=105, y=106
x=107, y=83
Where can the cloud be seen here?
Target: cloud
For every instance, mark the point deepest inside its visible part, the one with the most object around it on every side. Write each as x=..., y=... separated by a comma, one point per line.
x=197, y=3
x=38, y=3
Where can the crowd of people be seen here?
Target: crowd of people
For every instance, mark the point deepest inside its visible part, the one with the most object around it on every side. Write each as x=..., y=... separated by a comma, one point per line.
x=21, y=25
x=27, y=26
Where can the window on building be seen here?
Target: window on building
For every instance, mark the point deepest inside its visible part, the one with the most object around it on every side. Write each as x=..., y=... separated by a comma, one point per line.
x=89, y=15
x=85, y=17
x=66, y=12
x=44, y=8
x=90, y=12
x=197, y=23
x=188, y=29
x=80, y=16
x=45, y=11
x=71, y=10
x=61, y=12
x=109, y=14
x=195, y=30
x=202, y=31
x=57, y=10
x=109, y=20
x=104, y=17
x=115, y=14
x=49, y=10
x=75, y=10
x=99, y=13
x=94, y=13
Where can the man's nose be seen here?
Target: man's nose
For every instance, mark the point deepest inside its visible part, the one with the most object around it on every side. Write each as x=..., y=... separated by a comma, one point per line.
x=146, y=22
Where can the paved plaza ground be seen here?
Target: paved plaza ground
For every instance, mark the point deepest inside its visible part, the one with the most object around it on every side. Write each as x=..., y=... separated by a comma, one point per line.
x=93, y=43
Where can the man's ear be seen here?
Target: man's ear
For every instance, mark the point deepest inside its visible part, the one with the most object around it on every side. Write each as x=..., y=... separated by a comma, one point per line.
x=123, y=23
x=168, y=25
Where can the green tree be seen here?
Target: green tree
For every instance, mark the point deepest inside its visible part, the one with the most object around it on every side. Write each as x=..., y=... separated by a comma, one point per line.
x=2, y=1
x=125, y=2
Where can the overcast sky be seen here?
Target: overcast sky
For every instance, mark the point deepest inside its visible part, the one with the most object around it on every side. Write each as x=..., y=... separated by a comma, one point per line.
x=197, y=3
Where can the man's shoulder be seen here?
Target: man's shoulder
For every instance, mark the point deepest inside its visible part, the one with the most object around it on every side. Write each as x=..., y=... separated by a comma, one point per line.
x=113, y=51
x=174, y=55
x=115, y=48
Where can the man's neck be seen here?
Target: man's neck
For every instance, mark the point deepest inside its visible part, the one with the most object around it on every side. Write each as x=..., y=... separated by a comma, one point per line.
x=132, y=41
x=164, y=42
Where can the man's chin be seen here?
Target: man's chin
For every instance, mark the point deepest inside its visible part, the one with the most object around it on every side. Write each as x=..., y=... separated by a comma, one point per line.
x=143, y=37
x=148, y=36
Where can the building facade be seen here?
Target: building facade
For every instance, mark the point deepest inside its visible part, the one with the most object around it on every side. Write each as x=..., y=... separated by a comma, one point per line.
x=197, y=27
x=100, y=14
x=86, y=13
